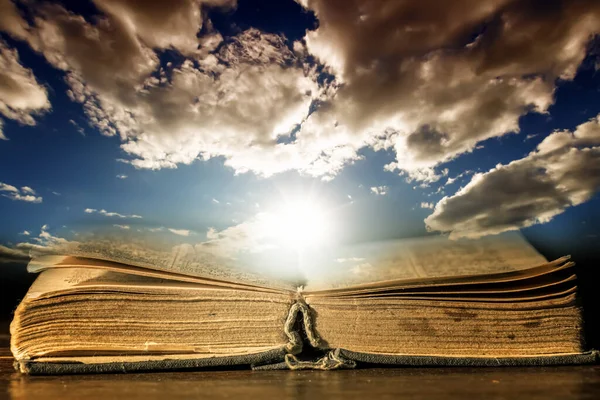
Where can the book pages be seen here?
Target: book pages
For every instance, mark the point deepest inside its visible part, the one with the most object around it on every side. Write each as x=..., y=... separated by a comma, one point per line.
x=183, y=259
x=423, y=258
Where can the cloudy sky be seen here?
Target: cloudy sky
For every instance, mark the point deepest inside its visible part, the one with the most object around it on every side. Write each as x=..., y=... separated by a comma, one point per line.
x=200, y=119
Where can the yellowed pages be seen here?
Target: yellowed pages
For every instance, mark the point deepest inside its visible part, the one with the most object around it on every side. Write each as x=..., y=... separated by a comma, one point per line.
x=422, y=259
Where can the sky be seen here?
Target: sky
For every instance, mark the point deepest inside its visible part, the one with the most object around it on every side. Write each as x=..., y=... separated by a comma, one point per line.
x=222, y=122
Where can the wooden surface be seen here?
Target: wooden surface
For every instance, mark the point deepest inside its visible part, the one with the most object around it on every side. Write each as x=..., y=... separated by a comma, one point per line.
x=581, y=382
x=396, y=383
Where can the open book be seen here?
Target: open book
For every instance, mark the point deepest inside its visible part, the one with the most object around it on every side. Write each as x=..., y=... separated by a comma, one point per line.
x=430, y=301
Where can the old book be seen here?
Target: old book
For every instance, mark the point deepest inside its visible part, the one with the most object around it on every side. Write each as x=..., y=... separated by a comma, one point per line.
x=413, y=302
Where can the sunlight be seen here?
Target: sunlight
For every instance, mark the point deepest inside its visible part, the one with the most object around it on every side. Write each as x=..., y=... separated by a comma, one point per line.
x=299, y=224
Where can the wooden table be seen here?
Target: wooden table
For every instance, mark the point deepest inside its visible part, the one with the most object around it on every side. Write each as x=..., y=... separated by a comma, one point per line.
x=581, y=382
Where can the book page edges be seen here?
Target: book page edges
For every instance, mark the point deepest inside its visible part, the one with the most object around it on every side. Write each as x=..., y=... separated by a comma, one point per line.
x=139, y=363
x=284, y=357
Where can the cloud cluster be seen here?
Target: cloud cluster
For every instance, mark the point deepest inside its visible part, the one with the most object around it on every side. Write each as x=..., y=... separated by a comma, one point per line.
x=44, y=243
x=109, y=213
x=439, y=77
x=251, y=236
x=180, y=232
x=380, y=190
x=163, y=25
x=563, y=171
x=238, y=98
x=26, y=193
x=427, y=80
x=22, y=97
x=124, y=227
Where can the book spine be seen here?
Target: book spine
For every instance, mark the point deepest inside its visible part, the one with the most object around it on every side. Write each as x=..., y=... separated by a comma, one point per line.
x=299, y=317
x=290, y=327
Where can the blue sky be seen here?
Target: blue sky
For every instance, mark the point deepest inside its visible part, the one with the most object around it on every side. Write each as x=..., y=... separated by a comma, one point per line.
x=223, y=168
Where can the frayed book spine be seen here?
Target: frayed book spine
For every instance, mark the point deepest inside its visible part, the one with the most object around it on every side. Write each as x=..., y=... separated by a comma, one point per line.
x=294, y=345
x=330, y=361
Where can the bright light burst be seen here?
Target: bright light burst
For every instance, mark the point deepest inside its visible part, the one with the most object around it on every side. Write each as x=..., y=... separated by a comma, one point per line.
x=299, y=224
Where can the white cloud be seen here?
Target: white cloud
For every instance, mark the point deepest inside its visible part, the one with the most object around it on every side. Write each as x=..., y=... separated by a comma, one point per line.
x=563, y=171
x=180, y=232
x=450, y=181
x=350, y=259
x=120, y=176
x=41, y=244
x=380, y=190
x=25, y=233
x=8, y=188
x=251, y=236
x=27, y=190
x=216, y=201
x=110, y=214
x=175, y=114
x=212, y=234
x=124, y=227
x=21, y=96
x=26, y=193
x=429, y=205
x=241, y=115
x=77, y=127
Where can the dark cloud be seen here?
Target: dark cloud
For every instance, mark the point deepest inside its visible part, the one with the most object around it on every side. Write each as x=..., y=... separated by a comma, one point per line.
x=164, y=24
x=10, y=255
x=105, y=56
x=427, y=140
x=563, y=171
x=467, y=69
x=11, y=21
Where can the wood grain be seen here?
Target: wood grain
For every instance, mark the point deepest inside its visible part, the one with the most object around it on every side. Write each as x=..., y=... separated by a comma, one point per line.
x=581, y=382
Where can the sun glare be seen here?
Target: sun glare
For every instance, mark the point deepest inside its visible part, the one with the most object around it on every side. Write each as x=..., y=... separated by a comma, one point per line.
x=300, y=224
